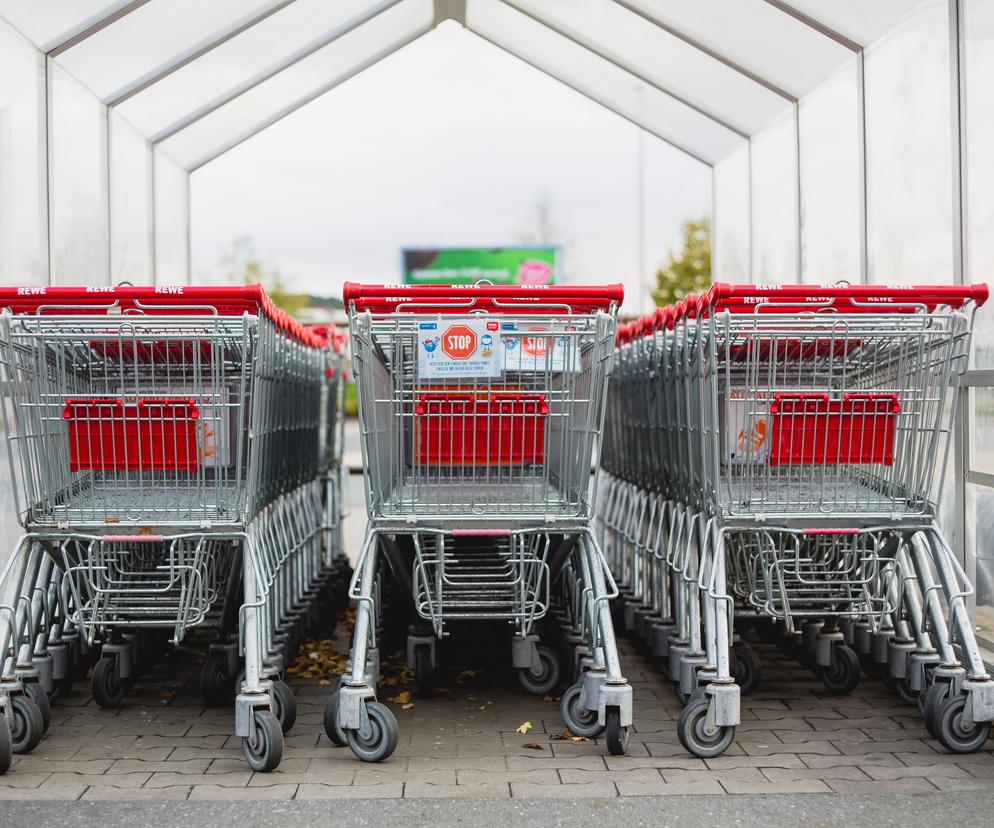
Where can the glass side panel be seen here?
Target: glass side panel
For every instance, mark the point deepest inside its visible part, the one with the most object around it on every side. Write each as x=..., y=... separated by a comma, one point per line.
x=23, y=199
x=130, y=204
x=829, y=131
x=908, y=146
x=731, y=218
x=147, y=37
x=979, y=127
x=661, y=114
x=754, y=35
x=172, y=225
x=774, y=204
x=666, y=60
x=79, y=184
x=249, y=55
x=300, y=83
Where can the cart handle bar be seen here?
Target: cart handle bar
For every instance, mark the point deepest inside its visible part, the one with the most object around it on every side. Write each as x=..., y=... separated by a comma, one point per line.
x=179, y=300
x=496, y=298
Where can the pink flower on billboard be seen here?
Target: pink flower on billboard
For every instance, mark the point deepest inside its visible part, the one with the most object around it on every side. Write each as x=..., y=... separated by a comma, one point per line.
x=533, y=272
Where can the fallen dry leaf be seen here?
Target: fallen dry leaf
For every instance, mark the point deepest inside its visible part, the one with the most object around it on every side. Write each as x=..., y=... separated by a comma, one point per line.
x=524, y=727
x=401, y=698
x=407, y=706
x=533, y=746
x=167, y=694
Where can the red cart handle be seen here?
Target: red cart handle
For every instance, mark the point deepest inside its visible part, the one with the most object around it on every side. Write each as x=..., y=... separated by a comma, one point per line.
x=466, y=298
x=955, y=296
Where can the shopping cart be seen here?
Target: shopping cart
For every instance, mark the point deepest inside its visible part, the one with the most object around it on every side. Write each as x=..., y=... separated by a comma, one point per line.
x=164, y=453
x=796, y=445
x=481, y=411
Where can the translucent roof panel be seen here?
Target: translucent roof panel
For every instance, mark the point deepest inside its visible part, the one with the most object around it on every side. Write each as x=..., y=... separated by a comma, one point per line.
x=754, y=35
x=577, y=67
x=300, y=83
x=150, y=36
x=862, y=21
x=242, y=60
x=51, y=22
x=665, y=60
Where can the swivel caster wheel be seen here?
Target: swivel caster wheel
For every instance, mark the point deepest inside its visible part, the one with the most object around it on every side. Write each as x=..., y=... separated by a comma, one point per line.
x=60, y=689
x=6, y=745
x=40, y=698
x=217, y=688
x=26, y=726
x=542, y=679
x=950, y=730
x=284, y=705
x=264, y=748
x=937, y=693
x=106, y=684
x=579, y=720
x=331, y=728
x=615, y=735
x=748, y=670
x=694, y=735
x=381, y=741
x=424, y=672
x=841, y=676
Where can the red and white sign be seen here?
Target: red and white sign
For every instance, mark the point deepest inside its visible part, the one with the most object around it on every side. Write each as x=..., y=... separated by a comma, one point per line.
x=458, y=342
x=536, y=342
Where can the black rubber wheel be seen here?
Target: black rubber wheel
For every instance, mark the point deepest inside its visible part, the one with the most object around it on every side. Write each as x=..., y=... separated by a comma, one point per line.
x=899, y=687
x=6, y=745
x=748, y=670
x=690, y=730
x=683, y=698
x=872, y=668
x=382, y=740
x=935, y=696
x=615, y=735
x=26, y=728
x=217, y=689
x=424, y=671
x=331, y=728
x=264, y=750
x=543, y=679
x=949, y=729
x=579, y=720
x=663, y=665
x=842, y=676
x=40, y=698
x=60, y=689
x=106, y=684
x=284, y=705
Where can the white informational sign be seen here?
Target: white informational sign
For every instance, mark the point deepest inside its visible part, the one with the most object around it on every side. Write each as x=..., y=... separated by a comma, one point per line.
x=747, y=433
x=528, y=349
x=459, y=348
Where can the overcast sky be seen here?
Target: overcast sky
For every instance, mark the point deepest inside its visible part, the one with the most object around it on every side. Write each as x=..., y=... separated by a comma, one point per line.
x=448, y=142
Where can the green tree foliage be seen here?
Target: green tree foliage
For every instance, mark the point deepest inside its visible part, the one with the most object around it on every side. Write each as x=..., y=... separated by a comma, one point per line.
x=243, y=267
x=690, y=270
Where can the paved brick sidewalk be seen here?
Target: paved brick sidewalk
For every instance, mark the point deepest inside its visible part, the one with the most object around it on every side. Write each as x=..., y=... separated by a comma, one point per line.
x=793, y=739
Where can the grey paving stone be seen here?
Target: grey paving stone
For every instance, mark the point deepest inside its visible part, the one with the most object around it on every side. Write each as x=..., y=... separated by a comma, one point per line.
x=222, y=792
x=105, y=792
x=423, y=790
x=595, y=790
x=392, y=790
x=661, y=788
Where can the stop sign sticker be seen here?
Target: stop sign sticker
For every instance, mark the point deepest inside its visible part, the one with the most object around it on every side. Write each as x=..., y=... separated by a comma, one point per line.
x=459, y=349
x=536, y=342
x=459, y=342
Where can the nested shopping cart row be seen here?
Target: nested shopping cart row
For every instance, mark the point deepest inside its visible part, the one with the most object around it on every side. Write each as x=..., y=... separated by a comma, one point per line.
x=481, y=411
x=174, y=460
x=775, y=455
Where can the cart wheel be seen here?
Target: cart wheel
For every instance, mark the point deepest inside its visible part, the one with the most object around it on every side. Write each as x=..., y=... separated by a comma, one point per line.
x=842, y=675
x=424, y=673
x=693, y=736
x=331, y=728
x=106, y=684
x=615, y=734
x=663, y=665
x=543, y=679
x=6, y=745
x=285, y=705
x=40, y=698
x=683, y=698
x=874, y=669
x=579, y=720
x=216, y=686
x=748, y=670
x=950, y=731
x=899, y=687
x=60, y=689
x=26, y=727
x=382, y=741
x=935, y=696
x=264, y=749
